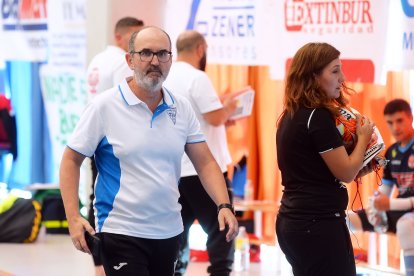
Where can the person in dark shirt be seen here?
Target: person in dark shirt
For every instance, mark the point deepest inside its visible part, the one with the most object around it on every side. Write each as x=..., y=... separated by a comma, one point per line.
x=315, y=165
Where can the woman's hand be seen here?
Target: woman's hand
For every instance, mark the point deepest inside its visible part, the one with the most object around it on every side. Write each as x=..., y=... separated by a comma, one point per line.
x=365, y=129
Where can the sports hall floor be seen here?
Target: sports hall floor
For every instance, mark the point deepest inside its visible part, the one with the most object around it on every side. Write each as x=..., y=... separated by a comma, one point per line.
x=54, y=255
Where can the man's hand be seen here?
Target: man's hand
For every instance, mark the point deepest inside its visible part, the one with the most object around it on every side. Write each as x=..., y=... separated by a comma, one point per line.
x=226, y=217
x=77, y=228
x=381, y=201
x=372, y=215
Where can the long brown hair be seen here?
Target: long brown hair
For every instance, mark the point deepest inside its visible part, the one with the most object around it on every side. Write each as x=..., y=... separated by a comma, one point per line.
x=302, y=88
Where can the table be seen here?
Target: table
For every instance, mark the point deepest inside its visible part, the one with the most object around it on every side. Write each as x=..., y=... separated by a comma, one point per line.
x=258, y=207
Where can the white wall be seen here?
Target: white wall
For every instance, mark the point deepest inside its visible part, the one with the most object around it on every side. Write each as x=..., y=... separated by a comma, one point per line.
x=101, y=19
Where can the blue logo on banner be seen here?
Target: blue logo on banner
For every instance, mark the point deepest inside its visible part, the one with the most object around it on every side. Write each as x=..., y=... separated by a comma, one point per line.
x=231, y=20
x=194, y=9
x=407, y=8
x=16, y=12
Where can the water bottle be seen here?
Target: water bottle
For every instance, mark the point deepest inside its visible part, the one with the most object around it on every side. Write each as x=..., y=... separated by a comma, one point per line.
x=242, y=253
x=381, y=226
x=248, y=191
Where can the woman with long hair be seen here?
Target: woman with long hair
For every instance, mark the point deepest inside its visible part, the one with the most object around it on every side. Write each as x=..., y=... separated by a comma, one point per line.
x=315, y=165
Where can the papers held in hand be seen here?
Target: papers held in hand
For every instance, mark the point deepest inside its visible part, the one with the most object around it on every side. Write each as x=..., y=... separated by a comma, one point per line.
x=245, y=99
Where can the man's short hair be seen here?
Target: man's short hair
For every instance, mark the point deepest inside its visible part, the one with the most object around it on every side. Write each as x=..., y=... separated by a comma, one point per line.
x=188, y=40
x=127, y=22
x=397, y=105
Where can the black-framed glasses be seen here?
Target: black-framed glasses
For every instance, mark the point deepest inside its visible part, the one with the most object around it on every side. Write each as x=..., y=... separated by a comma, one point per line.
x=147, y=55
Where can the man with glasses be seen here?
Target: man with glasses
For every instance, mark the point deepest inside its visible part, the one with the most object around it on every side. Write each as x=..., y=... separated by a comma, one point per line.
x=106, y=70
x=138, y=132
x=187, y=77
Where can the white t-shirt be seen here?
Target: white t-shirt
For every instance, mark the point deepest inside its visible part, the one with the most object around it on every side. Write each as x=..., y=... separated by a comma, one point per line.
x=106, y=70
x=138, y=155
x=196, y=86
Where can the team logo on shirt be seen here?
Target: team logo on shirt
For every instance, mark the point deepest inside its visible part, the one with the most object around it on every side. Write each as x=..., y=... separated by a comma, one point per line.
x=393, y=153
x=172, y=113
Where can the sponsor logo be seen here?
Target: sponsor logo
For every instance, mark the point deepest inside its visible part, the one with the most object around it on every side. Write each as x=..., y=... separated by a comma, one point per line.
x=407, y=41
x=26, y=15
x=404, y=180
x=93, y=80
x=411, y=161
x=223, y=21
x=328, y=17
x=408, y=9
x=118, y=267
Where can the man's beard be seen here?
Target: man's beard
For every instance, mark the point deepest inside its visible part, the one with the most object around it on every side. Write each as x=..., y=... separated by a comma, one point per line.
x=150, y=84
x=203, y=63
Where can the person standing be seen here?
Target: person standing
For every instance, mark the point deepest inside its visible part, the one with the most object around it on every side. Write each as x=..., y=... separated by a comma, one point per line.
x=187, y=78
x=106, y=70
x=109, y=67
x=138, y=133
x=315, y=165
x=399, y=172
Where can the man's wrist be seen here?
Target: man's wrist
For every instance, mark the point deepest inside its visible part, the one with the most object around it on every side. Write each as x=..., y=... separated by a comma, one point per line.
x=225, y=205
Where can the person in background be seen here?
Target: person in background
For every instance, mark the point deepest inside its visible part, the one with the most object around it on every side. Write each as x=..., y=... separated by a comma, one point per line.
x=109, y=67
x=187, y=78
x=399, y=172
x=106, y=70
x=315, y=165
x=138, y=133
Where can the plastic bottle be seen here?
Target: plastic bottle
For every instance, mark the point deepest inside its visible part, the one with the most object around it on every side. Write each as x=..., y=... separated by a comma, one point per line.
x=242, y=251
x=248, y=191
x=382, y=224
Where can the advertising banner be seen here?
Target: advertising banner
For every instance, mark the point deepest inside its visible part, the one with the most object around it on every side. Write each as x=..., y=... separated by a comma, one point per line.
x=356, y=28
x=64, y=95
x=236, y=31
x=400, y=39
x=23, y=30
x=63, y=81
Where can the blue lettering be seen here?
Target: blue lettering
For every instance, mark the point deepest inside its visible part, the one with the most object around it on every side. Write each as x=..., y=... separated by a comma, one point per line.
x=407, y=8
x=240, y=25
x=250, y=25
x=10, y=9
x=407, y=41
x=222, y=25
x=213, y=29
x=230, y=26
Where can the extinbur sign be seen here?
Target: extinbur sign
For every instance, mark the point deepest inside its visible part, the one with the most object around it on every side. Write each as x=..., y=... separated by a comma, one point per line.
x=330, y=17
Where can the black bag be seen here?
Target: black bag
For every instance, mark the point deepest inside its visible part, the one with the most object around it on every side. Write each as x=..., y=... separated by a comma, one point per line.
x=19, y=220
x=53, y=214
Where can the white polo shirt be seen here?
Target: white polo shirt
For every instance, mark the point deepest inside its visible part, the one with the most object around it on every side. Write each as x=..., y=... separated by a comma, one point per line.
x=138, y=156
x=196, y=86
x=106, y=70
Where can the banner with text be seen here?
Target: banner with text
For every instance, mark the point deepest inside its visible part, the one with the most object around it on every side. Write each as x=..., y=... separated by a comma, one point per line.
x=356, y=28
x=400, y=38
x=23, y=30
x=63, y=81
x=64, y=95
x=236, y=31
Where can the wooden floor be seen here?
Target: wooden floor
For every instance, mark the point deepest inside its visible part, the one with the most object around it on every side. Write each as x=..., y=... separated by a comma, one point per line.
x=53, y=255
